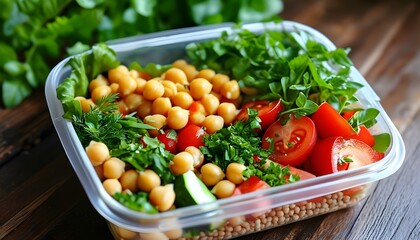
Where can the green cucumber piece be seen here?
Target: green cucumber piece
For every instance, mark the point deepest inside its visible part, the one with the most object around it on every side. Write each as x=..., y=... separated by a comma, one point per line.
x=190, y=190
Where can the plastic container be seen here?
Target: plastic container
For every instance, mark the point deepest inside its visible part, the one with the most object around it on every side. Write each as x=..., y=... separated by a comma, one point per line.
x=235, y=216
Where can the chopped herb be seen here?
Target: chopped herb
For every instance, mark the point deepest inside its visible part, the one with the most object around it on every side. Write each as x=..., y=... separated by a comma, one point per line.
x=344, y=160
x=136, y=201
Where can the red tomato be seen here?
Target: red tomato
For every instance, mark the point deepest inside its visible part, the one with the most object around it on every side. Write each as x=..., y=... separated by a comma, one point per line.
x=267, y=111
x=325, y=157
x=169, y=141
x=293, y=142
x=252, y=184
x=348, y=115
x=191, y=135
x=329, y=123
x=364, y=135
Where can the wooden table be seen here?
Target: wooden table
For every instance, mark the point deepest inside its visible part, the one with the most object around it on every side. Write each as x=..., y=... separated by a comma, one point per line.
x=41, y=198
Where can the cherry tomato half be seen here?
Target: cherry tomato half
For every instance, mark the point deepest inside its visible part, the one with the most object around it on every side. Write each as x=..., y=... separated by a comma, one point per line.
x=169, y=139
x=329, y=155
x=293, y=142
x=329, y=123
x=191, y=135
x=267, y=111
x=252, y=184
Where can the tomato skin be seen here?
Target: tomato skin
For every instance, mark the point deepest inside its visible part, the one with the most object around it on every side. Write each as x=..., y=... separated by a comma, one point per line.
x=364, y=135
x=170, y=143
x=324, y=159
x=329, y=123
x=252, y=184
x=267, y=111
x=300, y=132
x=349, y=114
x=190, y=135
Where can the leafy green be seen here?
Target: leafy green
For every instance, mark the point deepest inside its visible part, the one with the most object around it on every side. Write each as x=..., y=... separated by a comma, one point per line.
x=136, y=201
x=153, y=155
x=365, y=117
x=235, y=143
x=273, y=174
x=37, y=34
x=382, y=142
x=104, y=124
x=281, y=65
x=84, y=68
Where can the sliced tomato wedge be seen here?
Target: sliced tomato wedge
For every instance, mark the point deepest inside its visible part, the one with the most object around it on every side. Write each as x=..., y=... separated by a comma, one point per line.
x=329, y=123
x=293, y=142
x=348, y=114
x=338, y=154
x=267, y=111
x=191, y=135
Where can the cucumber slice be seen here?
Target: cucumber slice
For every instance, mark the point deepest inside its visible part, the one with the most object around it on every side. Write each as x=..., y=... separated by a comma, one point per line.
x=190, y=190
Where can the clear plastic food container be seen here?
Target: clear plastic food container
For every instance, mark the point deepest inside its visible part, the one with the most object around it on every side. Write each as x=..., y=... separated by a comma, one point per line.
x=234, y=216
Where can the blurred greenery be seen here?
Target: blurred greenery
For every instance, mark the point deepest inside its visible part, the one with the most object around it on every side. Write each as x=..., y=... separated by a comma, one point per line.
x=36, y=34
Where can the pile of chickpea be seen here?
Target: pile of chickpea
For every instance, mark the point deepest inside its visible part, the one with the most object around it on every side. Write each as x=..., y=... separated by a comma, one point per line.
x=181, y=95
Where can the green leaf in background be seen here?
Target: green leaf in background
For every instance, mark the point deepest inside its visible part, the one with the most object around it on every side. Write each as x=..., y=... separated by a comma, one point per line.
x=38, y=34
x=14, y=91
x=145, y=7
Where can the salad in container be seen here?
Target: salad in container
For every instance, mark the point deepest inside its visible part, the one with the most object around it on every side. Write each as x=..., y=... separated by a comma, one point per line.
x=222, y=131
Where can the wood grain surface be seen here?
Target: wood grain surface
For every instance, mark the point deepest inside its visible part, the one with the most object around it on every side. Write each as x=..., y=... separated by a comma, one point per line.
x=41, y=198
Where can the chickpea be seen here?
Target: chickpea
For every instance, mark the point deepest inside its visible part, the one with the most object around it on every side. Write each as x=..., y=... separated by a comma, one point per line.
x=174, y=233
x=144, y=109
x=234, y=172
x=176, y=75
x=86, y=104
x=127, y=86
x=179, y=63
x=100, y=171
x=197, y=155
x=133, y=73
x=140, y=85
x=218, y=80
x=133, y=101
x=213, y=123
x=206, y=74
x=147, y=180
x=223, y=189
x=177, y=118
x=230, y=90
x=199, y=87
x=182, y=99
x=163, y=197
x=190, y=71
x=196, y=118
x=118, y=73
x=211, y=174
x=210, y=103
x=97, y=153
x=156, y=120
x=152, y=236
x=153, y=89
x=125, y=233
x=100, y=92
x=98, y=81
x=128, y=180
x=113, y=168
x=181, y=88
x=114, y=87
x=182, y=163
x=161, y=105
x=227, y=111
x=170, y=88
x=112, y=186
